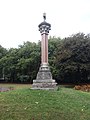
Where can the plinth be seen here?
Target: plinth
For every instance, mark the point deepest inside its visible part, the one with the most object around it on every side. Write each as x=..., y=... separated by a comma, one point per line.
x=44, y=77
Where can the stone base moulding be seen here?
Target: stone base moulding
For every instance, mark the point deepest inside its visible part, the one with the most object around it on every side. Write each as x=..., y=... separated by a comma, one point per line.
x=44, y=84
x=44, y=79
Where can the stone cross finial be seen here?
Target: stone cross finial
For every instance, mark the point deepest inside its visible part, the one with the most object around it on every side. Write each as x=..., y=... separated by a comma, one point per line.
x=44, y=16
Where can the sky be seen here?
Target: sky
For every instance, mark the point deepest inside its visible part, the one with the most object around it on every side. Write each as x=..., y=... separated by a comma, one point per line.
x=19, y=19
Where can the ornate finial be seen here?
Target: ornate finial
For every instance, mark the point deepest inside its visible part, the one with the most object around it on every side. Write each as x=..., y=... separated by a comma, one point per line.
x=44, y=16
x=44, y=27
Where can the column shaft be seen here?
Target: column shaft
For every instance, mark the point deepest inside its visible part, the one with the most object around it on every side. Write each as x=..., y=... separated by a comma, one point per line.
x=44, y=49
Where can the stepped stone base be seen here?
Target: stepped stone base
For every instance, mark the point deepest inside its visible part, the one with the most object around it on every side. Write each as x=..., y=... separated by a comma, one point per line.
x=44, y=79
x=44, y=84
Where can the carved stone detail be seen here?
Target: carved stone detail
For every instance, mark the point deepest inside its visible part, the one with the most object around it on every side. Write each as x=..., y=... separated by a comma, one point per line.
x=44, y=29
x=44, y=72
x=44, y=79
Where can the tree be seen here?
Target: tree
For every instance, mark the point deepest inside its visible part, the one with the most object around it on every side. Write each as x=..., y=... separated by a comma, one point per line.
x=22, y=63
x=29, y=61
x=73, y=59
x=3, y=51
x=52, y=49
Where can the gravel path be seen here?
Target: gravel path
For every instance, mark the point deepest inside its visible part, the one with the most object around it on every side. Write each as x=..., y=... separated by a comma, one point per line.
x=3, y=89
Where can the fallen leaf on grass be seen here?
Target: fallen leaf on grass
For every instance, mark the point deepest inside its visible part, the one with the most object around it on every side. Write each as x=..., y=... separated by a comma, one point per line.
x=36, y=102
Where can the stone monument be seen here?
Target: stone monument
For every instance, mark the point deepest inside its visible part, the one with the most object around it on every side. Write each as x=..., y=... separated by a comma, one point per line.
x=44, y=77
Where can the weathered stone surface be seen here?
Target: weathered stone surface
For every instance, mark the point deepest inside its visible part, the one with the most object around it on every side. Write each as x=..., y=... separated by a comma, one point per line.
x=44, y=88
x=44, y=72
x=44, y=79
x=44, y=84
x=42, y=75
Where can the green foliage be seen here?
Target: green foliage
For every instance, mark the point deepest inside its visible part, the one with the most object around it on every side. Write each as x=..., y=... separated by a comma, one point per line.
x=3, y=51
x=73, y=59
x=24, y=78
x=22, y=61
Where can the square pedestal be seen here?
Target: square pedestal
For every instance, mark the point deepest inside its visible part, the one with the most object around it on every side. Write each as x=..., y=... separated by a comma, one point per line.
x=44, y=79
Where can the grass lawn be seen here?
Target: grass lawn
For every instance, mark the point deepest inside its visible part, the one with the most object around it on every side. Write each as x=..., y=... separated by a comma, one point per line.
x=27, y=104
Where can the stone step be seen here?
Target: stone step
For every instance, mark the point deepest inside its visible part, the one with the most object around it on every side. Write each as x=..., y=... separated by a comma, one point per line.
x=35, y=88
x=44, y=81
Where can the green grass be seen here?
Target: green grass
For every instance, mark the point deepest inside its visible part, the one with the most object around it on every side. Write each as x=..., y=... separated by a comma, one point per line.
x=27, y=104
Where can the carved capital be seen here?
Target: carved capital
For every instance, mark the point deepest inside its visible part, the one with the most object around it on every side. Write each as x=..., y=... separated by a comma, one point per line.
x=44, y=29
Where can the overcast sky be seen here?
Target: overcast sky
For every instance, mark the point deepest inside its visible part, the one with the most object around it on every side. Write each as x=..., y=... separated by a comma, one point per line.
x=19, y=19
